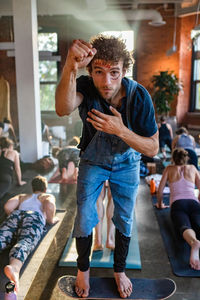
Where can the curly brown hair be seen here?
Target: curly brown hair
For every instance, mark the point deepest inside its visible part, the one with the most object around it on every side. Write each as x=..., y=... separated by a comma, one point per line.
x=180, y=156
x=110, y=49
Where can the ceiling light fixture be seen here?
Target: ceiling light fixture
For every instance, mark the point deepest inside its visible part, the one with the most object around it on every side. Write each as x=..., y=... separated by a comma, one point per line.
x=196, y=30
x=173, y=49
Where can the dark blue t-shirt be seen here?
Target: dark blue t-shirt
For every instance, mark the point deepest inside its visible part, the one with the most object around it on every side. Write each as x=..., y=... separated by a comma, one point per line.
x=142, y=111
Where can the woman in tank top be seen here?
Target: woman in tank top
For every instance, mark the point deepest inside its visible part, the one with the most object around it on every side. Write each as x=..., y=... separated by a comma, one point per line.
x=184, y=205
x=9, y=162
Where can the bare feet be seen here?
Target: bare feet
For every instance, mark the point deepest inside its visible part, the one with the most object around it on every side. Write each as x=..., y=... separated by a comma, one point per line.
x=194, y=255
x=110, y=245
x=98, y=247
x=124, y=284
x=82, y=285
x=13, y=275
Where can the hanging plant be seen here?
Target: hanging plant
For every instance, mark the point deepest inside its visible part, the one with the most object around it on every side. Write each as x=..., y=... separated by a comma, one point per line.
x=166, y=86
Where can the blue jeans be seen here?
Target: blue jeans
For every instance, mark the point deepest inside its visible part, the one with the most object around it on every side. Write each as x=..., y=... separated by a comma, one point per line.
x=123, y=177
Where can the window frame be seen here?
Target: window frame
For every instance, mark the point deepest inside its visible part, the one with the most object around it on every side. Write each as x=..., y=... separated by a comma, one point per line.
x=194, y=82
x=50, y=56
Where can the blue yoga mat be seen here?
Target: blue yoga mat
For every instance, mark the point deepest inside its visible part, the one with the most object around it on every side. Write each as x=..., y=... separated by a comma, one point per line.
x=103, y=259
x=177, y=249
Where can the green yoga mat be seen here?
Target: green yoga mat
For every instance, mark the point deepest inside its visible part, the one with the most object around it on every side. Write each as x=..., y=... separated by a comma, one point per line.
x=103, y=259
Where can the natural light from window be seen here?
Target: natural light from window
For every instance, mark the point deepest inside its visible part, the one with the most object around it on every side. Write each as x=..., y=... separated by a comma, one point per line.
x=48, y=70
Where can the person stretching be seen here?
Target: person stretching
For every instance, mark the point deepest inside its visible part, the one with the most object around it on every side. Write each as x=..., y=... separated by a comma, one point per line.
x=184, y=205
x=25, y=225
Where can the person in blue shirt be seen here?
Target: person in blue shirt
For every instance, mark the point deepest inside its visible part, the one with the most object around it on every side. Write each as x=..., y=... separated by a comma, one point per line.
x=118, y=125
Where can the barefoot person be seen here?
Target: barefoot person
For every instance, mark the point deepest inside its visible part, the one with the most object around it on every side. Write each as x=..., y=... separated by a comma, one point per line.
x=185, y=207
x=110, y=237
x=25, y=224
x=117, y=127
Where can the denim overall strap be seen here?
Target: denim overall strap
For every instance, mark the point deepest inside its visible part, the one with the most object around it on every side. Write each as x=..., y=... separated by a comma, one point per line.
x=128, y=103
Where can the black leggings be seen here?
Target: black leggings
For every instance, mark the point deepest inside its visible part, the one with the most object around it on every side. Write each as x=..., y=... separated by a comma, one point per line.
x=5, y=184
x=83, y=246
x=185, y=214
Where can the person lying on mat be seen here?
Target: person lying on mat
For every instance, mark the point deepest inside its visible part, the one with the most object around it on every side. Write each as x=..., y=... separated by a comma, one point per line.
x=110, y=232
x=118, y=124
x=25, y=224
x=68, y=160
x=184, y=205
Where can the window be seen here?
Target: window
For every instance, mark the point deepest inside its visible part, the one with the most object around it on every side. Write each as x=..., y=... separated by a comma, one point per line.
x=128, y=37
x=48, y=69
x=195, y=105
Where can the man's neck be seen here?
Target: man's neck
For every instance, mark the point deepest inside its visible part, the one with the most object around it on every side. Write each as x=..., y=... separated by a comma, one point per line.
x=116, y=101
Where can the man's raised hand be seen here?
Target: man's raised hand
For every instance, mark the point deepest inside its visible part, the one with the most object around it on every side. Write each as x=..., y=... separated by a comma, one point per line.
x=80, y=54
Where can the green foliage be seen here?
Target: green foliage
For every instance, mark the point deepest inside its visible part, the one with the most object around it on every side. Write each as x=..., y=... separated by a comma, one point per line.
x=48, y=41
x=166, y=86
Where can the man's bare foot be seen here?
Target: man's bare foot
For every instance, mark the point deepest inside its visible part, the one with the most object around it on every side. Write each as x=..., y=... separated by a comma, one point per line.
x=194, y=255
x=13, y=275
x=82, y=284
x=124, y=284
x=98, y=247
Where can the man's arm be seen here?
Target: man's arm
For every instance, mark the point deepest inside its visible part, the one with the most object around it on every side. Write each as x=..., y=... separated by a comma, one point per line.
x=49, y=209
x=67, y=99
x=114, y=125
x=11, y=204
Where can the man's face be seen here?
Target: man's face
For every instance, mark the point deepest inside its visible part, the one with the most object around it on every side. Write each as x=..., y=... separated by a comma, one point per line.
x=107, y=77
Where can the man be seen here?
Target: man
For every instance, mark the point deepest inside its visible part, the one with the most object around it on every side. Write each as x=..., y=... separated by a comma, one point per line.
x=25, y=224
x=117, y=127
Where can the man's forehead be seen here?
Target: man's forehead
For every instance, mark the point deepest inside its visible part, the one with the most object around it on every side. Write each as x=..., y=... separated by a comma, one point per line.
x=106, y=64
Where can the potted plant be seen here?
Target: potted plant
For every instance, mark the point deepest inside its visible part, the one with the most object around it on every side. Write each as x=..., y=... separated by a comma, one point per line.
x=166, y=86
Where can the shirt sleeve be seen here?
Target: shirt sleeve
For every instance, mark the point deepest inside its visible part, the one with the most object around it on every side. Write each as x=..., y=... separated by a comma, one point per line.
x=143, y=115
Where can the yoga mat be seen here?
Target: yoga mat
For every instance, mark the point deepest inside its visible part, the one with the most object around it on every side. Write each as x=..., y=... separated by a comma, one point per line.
x=103, y=259
x=166, y=163
x=177, y=249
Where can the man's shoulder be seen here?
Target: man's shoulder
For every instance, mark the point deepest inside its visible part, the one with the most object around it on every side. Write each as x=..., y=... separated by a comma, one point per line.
x=23, y=197
x=46, y=196
x=140, y=91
